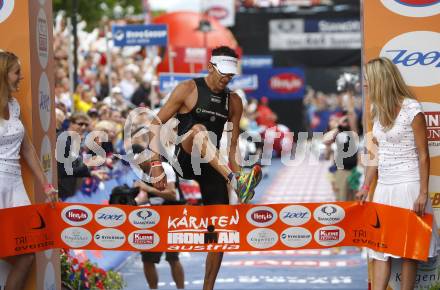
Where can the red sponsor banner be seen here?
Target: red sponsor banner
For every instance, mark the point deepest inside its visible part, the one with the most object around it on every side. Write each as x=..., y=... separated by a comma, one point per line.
x=215, y=228
x=286, y=83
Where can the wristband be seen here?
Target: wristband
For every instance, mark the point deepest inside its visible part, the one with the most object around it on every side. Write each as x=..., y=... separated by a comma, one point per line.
x=48, y=187
x=156, y=163
x=365, y=187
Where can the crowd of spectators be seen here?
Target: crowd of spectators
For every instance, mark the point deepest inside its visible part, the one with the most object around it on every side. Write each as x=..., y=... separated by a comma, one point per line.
x=107, y=94
x=339, y=117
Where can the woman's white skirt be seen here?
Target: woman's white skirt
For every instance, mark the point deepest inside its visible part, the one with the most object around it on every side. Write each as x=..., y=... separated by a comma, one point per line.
x=12, y=191
x=403, y=195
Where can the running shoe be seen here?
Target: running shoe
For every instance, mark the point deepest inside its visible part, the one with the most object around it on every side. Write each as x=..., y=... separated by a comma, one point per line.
x=246, y=183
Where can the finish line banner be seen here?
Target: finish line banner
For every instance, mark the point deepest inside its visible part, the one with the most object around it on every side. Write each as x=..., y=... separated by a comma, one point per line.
x=215, y=228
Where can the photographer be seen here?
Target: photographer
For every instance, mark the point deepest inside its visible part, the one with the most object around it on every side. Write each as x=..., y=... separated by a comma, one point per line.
x=343, y=130
x=152, y=196
x=338, y=142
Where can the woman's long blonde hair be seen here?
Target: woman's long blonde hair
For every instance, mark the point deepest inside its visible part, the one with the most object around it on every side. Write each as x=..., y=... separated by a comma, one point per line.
x=386, y=89
x=7, y=61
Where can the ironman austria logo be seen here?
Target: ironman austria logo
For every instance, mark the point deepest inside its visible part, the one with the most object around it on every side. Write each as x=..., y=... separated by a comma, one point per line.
x=413, y=8
x=6, y=7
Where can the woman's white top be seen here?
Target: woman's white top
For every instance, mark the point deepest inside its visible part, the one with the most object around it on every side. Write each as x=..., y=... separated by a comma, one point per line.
x=11, y=137
x=398, y=157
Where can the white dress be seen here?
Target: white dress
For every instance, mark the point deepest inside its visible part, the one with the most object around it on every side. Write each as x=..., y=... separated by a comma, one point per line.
x=12, y=191
x=398, y=181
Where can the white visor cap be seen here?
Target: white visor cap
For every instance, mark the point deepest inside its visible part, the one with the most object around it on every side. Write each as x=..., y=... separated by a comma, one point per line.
x=225, y=64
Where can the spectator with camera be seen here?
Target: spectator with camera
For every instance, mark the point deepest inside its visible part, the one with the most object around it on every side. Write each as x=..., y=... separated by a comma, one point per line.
x=148, y=195
x=342, y=138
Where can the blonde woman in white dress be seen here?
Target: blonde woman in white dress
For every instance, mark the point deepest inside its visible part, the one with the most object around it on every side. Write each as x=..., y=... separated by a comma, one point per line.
x=402, y=167
x=15, y=144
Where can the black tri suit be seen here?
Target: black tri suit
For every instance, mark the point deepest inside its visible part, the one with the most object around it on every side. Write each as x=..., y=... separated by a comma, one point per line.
x=212, y=111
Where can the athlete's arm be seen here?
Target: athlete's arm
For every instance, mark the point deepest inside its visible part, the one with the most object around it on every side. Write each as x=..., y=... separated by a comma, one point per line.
x=235, y=112
x=171, y=107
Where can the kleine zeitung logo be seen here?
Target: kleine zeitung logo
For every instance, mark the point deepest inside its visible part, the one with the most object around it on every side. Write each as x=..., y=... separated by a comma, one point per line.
x=76, y=215
x=6, y=8
x=261, y=216
x=110, y=216
x=295, y=215
x=109, y=238
x=296, y=237
x=432, y=118
x=143, y=239
x=144, y=218
x=417, y=55
x=329, y=214
x=286, y=83
x=329, y=236
x=413, y=8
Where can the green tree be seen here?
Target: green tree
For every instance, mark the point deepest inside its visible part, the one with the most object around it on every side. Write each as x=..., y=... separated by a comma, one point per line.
x=93, y=10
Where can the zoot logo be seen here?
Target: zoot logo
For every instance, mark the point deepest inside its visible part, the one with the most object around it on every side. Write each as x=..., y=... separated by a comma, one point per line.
x=329, y=214
x=188, y=232
x=417, y=59
x=261, y=216
x=44, y=101
x=413, y=8
x=76, y=215
x=110, y=216
x=295, y=215
x=144, y=218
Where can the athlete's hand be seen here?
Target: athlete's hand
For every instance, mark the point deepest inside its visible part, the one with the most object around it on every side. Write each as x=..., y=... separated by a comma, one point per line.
x=420, y=204
x=362, y=195
x=158, y=177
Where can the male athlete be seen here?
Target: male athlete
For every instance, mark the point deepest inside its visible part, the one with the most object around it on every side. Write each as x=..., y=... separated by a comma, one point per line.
x=202, y=107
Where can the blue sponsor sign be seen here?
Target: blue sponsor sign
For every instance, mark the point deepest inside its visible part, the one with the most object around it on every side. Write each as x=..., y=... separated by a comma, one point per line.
x=279, y=83
x=256, y=61
x=168, y=81
x=247, y=82
x=143, y=35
